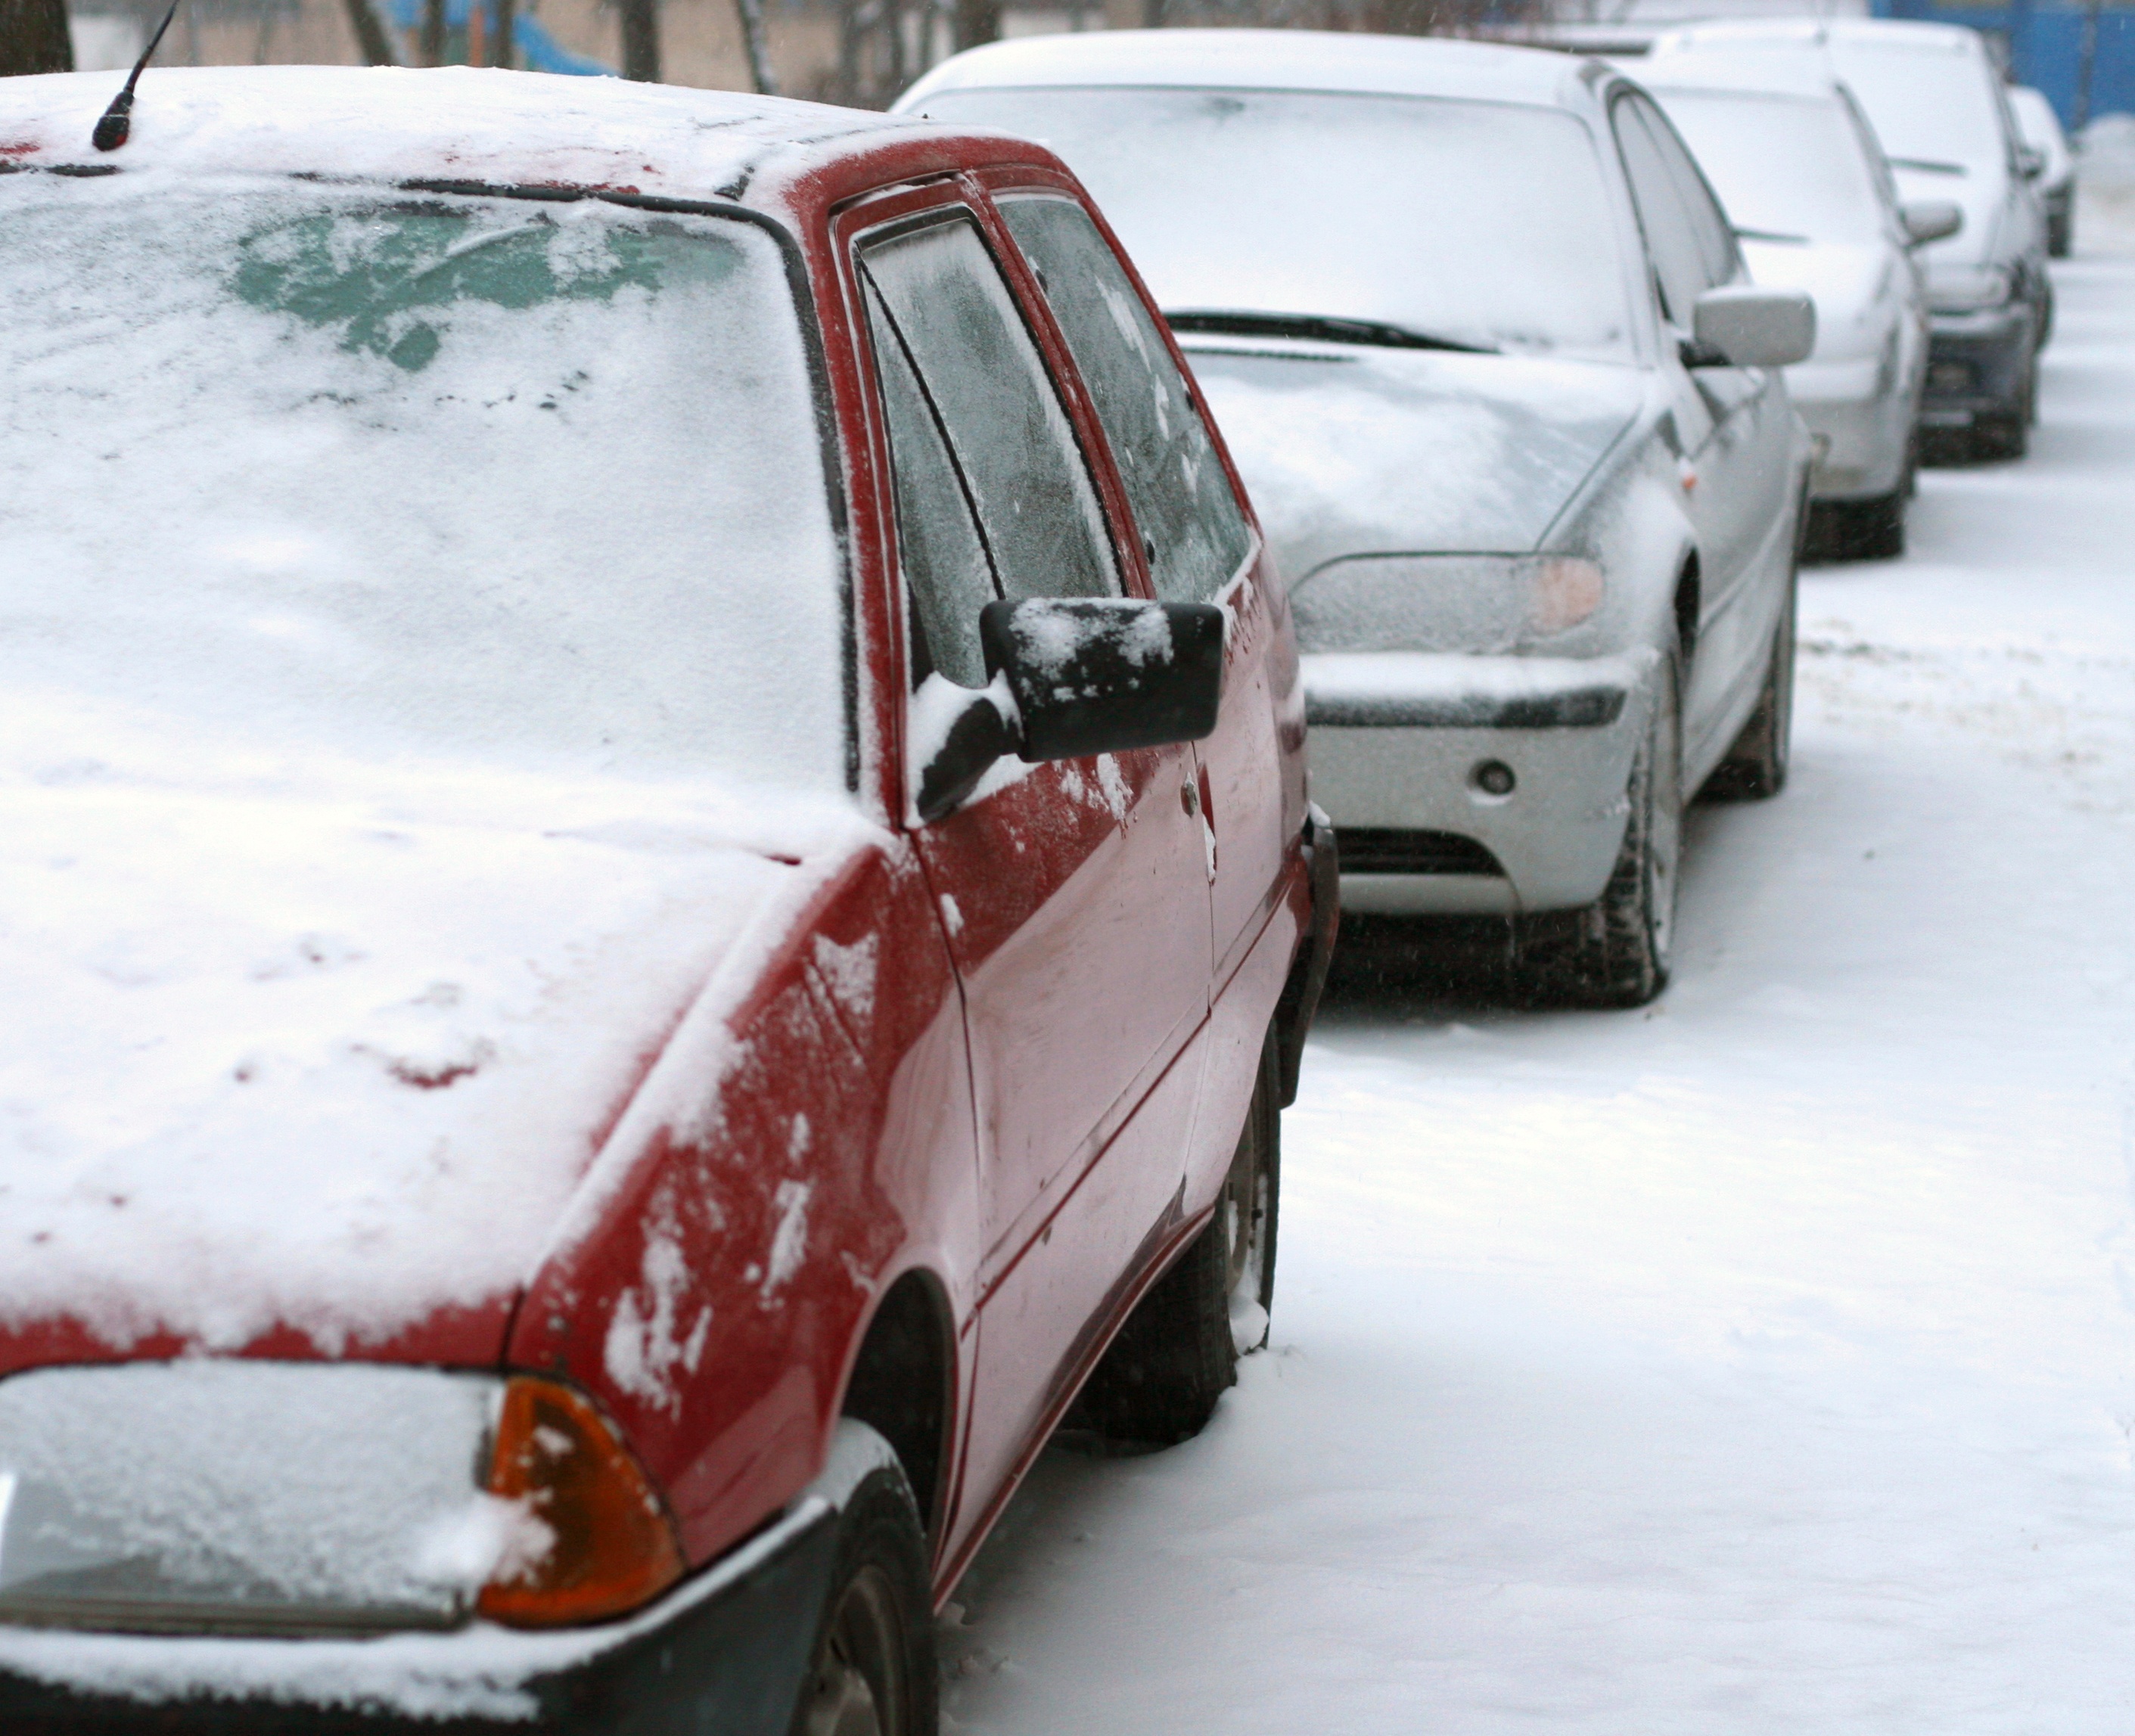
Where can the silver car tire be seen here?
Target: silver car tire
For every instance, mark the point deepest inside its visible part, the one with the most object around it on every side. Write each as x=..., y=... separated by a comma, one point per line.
x=1616, y=952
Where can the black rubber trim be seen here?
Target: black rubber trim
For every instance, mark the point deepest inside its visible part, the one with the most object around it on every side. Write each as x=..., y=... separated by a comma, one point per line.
x=731, y=1664
x=1308, y=972
x=1576, y=708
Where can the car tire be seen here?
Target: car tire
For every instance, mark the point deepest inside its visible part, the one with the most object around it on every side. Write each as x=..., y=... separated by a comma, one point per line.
x=872, y=1671
x=2060, y=234
x=2005, y=435
x=1178, y=1354
x=1755, y=768
x=1616, y=951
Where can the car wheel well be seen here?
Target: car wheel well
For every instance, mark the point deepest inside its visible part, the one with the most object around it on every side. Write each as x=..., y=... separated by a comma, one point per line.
x=1686, y=593
x=900, y=1384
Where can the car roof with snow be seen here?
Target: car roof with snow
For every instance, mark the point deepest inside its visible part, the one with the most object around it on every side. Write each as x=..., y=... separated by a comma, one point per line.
x=1820, y=32
x=1740, y=67
x=1272, y=59
x=448, y=124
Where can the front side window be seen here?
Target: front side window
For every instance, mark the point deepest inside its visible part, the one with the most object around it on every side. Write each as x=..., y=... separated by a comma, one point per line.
x=299, y=466
x=1011, y=441
x=1194, y=534
x=1670, y=242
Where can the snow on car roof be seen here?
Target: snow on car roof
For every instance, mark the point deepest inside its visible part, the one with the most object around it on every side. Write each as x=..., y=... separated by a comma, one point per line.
x=1903, y=33
x=1266, y=59
x=1697, y=65
x=458, y=122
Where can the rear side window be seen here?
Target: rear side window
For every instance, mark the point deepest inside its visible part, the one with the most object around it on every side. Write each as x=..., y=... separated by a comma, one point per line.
x=1192, y=529
x=1012, y=443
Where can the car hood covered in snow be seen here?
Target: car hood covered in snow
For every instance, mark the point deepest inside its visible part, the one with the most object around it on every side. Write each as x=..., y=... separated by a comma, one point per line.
x=329, y=1049
x=1349, y=450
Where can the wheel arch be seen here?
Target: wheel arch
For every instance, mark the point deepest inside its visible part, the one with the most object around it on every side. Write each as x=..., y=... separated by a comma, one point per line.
x=902, y=1385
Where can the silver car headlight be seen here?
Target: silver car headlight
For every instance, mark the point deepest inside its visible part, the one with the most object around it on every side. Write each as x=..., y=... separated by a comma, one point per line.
x=248, y=1496
x=1443, y=602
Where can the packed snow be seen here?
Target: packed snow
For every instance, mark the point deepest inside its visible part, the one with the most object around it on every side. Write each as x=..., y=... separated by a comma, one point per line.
x=1760, y=1360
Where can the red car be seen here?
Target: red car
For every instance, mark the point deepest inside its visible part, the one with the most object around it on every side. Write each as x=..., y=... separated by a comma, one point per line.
x=658, y=888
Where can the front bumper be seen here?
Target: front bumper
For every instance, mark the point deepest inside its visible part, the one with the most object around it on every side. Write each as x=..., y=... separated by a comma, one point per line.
x=723, y=1655
x=1865, y=439
x=1977, y=365
x=1396, y=740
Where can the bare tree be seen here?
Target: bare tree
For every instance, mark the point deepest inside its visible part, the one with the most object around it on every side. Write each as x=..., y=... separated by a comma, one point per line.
x=33, y=37
x=641, y=41
x=370, y=33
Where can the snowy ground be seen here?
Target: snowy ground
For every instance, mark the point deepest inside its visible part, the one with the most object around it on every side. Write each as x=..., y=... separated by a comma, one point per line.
x=1763, y=1360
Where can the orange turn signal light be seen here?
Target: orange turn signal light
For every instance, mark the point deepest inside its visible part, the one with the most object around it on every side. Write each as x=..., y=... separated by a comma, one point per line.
x=612, y=1543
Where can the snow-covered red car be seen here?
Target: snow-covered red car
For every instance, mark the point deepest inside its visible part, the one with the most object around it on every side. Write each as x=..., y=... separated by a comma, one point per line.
x=658, y=891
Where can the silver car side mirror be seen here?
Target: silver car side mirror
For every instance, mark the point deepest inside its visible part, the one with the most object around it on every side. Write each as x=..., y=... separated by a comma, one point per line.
x=1741, y=325
x=1931, y=220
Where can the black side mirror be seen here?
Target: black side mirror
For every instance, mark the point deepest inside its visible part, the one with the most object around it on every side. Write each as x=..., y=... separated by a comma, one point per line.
x=1083, y=676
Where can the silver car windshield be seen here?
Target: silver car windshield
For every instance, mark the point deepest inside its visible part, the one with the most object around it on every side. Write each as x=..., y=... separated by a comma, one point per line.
x=1785, y=167
x=1485, y=224
x=526, y=484
x=1934, y=111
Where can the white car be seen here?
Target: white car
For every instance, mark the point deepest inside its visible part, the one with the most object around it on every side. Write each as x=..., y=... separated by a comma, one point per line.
x=1805, y=183
x=1942, y=112
x=1481, y=341
x=2041, y=130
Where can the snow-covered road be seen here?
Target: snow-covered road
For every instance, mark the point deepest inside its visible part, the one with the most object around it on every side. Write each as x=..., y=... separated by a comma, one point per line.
x=1760, y=1361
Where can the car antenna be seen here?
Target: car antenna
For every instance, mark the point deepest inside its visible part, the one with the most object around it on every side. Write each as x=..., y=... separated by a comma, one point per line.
x=118, y=120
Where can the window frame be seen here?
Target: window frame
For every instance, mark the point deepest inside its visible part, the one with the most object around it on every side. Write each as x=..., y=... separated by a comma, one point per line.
x=867, y=216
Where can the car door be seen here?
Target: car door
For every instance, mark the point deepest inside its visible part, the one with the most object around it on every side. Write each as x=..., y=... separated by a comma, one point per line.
x=1736, y=427
x=1074, y=895
x=1199, y=546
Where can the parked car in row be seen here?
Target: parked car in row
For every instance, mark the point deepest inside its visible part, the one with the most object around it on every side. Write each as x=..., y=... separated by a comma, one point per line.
x=2040, y=129
x=1483, y=343
x=662, y=896
x=1940, y=108
x=1812, y=201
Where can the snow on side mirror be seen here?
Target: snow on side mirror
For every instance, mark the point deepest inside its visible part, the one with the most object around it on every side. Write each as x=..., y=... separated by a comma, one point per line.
x=1931, y=220
x=1105, y=674
x=1740, y=326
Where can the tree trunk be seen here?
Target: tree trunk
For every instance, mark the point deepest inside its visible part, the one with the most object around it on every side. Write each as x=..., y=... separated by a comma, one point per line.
x=370, y=34
x=753, y=39
x=977, y=20
x=641, y=41
x=33, y=37
x=433, y=33
x=507, y=21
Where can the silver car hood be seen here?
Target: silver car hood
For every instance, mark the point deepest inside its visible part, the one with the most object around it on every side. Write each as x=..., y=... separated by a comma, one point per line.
x=1347, y=449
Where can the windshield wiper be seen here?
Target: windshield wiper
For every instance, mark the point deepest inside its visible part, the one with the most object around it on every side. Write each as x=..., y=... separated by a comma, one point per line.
x=1771, y=234
x=1323, y=326
x=1926, y=167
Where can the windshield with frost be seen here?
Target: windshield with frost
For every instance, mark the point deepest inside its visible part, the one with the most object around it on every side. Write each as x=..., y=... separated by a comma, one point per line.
x=1483, y=223
x=1785, y=167
x=531, y=485
x=1932, y=109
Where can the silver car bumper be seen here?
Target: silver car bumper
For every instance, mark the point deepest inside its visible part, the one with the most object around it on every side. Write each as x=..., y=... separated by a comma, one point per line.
x=1400, y=743
x=1865, y=438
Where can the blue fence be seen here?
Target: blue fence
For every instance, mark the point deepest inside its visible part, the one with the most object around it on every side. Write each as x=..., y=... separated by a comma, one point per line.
x=2082, y=57
x=538, y=51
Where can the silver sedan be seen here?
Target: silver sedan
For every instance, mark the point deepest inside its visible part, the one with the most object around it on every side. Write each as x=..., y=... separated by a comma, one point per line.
x=1483, y=347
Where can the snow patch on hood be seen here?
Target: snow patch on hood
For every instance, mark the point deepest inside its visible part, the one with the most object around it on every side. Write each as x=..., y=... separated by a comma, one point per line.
x=1348, y=451
x=330, y=1045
